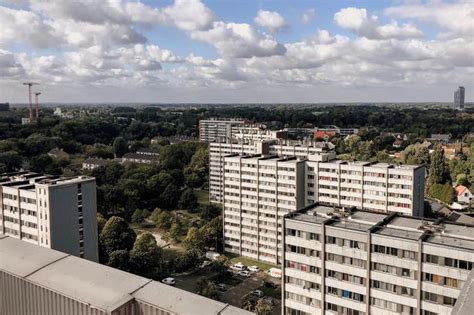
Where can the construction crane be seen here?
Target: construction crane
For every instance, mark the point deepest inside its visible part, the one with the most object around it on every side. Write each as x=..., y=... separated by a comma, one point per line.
x=37, y=104
x=30, y=84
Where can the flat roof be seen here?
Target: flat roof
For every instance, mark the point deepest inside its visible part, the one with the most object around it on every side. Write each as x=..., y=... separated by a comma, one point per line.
x=26, y=259
x=97, y=285
x=176, y=300
x=101, y=286
x=389, y=224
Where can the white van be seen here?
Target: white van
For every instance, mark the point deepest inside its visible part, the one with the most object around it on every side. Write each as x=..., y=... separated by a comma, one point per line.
x=238, y=267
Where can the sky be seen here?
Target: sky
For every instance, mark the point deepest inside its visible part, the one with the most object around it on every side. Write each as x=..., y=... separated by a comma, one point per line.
x=236, y=51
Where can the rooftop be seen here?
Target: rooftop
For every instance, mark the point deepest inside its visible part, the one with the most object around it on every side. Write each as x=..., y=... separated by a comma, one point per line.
x=100, y=286
x=393, y=225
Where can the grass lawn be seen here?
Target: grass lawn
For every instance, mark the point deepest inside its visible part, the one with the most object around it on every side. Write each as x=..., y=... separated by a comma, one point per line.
x=250, y=262
x=202, y=196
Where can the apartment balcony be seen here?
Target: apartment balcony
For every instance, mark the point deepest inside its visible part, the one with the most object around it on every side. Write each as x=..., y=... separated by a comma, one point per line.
x=440, y=290
x=346, y=251
x=393, y=297
x=394, y=261
x=436, y=308
x=301, y=290
x=298, y=241
x=300, y=258
x=360, y=272
x=345, y=302
x=446, y=271
x=344, y=285
x=399, y=181
x=313, y=310
x=303, y=275
x=394, y=279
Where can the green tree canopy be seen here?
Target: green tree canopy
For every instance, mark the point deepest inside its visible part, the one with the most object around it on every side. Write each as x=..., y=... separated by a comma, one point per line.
x=120, y=146
x=438, y=173
x=117, y=235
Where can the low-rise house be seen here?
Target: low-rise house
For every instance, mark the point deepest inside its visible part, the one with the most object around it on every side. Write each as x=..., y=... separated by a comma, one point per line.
x=463, y=194
x=139, y=158
x=397, y=143
x=93, y=163
x=440, y=138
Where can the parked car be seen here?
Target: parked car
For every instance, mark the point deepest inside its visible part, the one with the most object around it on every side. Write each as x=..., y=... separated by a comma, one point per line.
x=254, y=269
x=258, y=293
x=244, y=273
x=204, y=264
x=238, y=267
x=169, y=281
x=221, y=287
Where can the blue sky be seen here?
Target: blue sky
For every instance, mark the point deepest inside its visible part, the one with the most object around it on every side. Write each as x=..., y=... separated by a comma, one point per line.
x=236, y=51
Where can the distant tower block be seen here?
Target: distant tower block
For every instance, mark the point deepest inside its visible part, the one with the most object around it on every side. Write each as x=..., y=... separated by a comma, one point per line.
x=459, y=98
x=37, y=104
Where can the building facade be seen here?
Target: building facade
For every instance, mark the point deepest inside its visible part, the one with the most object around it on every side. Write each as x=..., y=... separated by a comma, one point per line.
x=459, y=98
x=215, y=128
x=356, y=262
x=284, y=148
x=258, y=192
x=253, y=193
x=53, y=212
x=371, y=186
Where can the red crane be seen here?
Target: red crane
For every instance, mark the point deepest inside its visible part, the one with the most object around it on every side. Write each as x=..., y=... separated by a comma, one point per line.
x=30, y=84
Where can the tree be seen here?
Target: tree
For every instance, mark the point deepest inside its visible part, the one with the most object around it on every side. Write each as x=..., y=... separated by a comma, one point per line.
x=209, y=212
x=442, y=192
x=169, y=197
x=191, y=258
x=212, y=233
x=117, y=235
x=207, y=288
x=263, y=307
x=10, y=161
x=162, y=219
x=139, y=215
x=188, y=199
x=438, y=173
x=175, y=231
x=194, y=240
x=101, y=221
x=146, y=256
x=119, y=146
x=120, y=259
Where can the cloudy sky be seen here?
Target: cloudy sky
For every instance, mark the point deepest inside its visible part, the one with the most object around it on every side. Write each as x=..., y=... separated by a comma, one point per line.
x=236, y=50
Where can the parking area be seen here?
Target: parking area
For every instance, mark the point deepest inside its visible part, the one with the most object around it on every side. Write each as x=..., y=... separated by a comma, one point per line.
x=234, y=286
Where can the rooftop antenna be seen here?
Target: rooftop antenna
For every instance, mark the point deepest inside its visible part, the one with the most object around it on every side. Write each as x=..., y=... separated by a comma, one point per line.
x=30, y=84
x=37, y=104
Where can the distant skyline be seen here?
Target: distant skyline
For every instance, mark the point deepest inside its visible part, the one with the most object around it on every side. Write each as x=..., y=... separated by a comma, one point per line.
x=236, y=51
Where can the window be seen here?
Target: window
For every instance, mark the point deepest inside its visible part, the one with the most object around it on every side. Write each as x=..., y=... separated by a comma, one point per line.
x=432, y=259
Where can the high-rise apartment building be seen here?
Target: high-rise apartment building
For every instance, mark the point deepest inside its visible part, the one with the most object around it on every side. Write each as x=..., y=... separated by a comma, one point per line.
x=50, y=211
x=216, y=128
x=379, y=187
x=338, y=261
x=218, y=150
x=459, y=98
x=258, y=192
